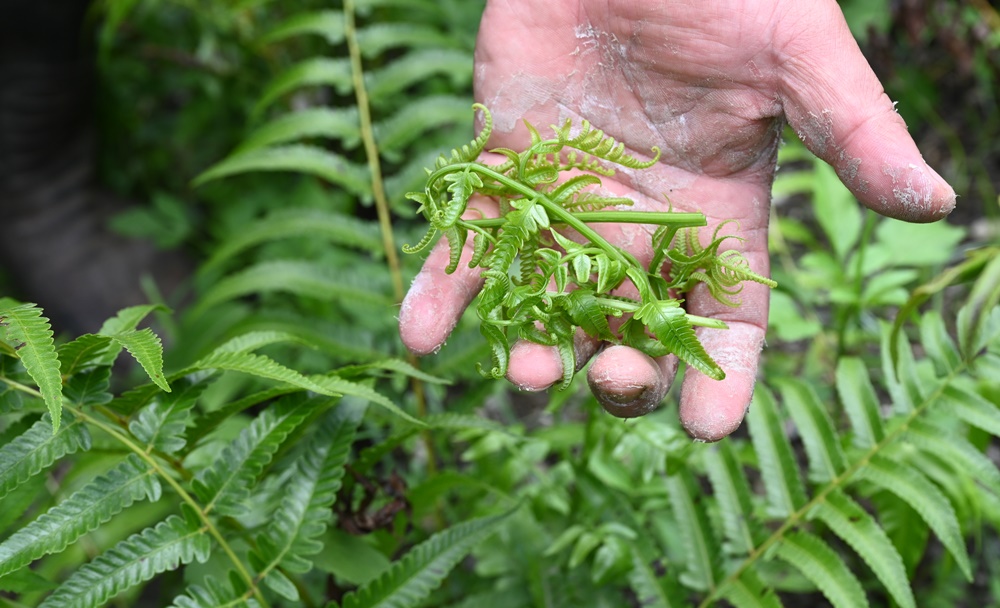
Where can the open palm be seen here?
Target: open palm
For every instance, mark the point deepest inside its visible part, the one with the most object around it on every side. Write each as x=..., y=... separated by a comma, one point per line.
x=711, y=84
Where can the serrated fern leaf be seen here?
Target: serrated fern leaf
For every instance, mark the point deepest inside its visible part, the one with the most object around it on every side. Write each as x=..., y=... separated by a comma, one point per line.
x=749, y=592
x=854, y=387
x=304, y=513
x=973, y=408
x=732, y=491
x=312, y=72
x=136, y=559
x=594, y=142
x=294, y=157
x=83, y=352
x=412, y=578
x=821, y=565
x=339, y=386
x=471, y=151
x=85, y=510
x=161, y=424
x=146, y=348
x=386, y=83
x=328, y=24
x=925, y=498
x=648, y=588
x=339, y=124
x=955, y=449
x=36, y=449
x=859, y=530
x=826, y=458
x=670, y=325
x=700, y=544
x=297, y=277
x=225, y=484
x=295, y=223
x=785, y=493
x=379, y=37
x=212, y=594
x=32, y=336
x=128, y=319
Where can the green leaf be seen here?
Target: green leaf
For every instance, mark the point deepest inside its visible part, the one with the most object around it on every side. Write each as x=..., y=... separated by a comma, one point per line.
x=328, y=24
x=650, y=590
x=305, y=511
x=898, y=238
x=146, y=348
x=386, y=83
x=89, y=388
x=971, y=407
x=860, y=402
x=138, y=558
x=36, y=449
x=379, y=37
x=821, y=565
x=836, y=210
x=85, y=510
x=161, y=424
x=957, y=451
x=297, y=223
x=586, y=312
x=393, y=365
x=261, y=367
x=302, y=278
x=339, y=386
x=127, y=320
x=85, y=351
x=982, y=300
x=31, y=335
x=732, y=491
x=700, y=546
x=226, y=483
x=938, y=344
x=749, y=592
x=340, y=124
x=212, y=594
x=859, y=530
x=300, y=158
x=826, y=459
x=669, y=323
x=914, y=489
x=312, y=72
x=412, y=578
x=785, y=493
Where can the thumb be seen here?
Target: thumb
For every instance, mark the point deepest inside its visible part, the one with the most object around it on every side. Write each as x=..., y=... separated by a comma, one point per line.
x=839, y=109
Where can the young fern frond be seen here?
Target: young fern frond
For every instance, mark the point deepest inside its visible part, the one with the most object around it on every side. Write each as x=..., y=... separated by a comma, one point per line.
x=33, y=341
x=470, y=151
x=595, y=143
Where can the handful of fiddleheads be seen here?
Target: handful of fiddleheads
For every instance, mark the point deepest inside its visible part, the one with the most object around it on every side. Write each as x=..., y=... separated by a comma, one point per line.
x=541, y=286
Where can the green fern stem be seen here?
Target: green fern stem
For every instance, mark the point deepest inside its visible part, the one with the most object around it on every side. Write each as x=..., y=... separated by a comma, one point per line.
x=680, y=220
x=835, y=484
x=152, y=462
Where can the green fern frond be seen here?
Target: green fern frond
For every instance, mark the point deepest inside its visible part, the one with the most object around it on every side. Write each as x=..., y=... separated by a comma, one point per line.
x=146, y=348
x=313, y=72
x=336, y=228
x=138, y=558
x=327, y=24
x=339, y=386
x=31, y=335
x=913, y=488
x=385, y=84
x=669, y=323
x=854, y=387
x=749, y=592
x=397, y=366
x=782, y=484
x=412, y=578
x=395, y=134
x=821, y=565
x=89, y=388
x=701, y=547
x=972, y=407
x=305, y=511
x=651, y=590
x=859, y=530
x=299, y=277
x=471, y=151
x=377, y=38
x=161, y=424
x=340, y=124
x=956, y=450
x=595, y=143
x=983, y=298
x=940, y=346
x=261, y=367
x=36, y=449
x=732, y=491
x=83, y=352
x=226, y=483
x=212, y=420
x=212, y=594
x=826, y=458
x=85, y=510
x=294, y=157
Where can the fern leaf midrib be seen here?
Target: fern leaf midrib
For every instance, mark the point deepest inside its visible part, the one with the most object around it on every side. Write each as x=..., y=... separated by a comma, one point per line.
x=835, y=484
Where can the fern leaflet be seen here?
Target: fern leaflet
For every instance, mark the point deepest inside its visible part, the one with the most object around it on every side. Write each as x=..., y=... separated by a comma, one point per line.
x=36, y=449
x=32, y=334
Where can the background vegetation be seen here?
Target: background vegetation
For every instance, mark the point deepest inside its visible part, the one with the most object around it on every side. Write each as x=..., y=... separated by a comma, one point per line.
x=302, y=459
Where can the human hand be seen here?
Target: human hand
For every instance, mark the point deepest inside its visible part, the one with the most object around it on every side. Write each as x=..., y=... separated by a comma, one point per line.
x=711, y=85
